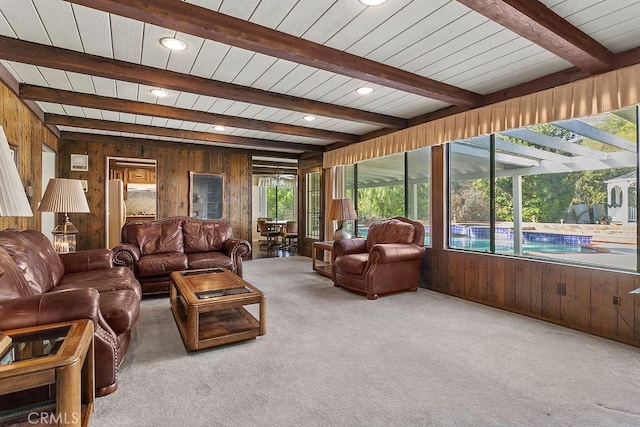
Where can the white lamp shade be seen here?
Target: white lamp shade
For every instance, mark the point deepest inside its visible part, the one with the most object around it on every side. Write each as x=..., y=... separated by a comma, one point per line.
x=13, y=200
x=64, y=195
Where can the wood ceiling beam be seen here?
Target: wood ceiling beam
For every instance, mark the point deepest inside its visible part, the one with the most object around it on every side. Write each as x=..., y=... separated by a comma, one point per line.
x=81, y=122
x=68, y=60
x=38, y=93
x=108, y=139
x=273, y=164
x=534, y=21
x=211, y=25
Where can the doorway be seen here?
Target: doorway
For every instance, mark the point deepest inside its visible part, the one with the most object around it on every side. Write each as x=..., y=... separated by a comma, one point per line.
x=130, y=194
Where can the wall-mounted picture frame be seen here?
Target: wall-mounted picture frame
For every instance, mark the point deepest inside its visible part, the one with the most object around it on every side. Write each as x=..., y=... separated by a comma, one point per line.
x=206, y=195
x=79, y=162
x=14, y=152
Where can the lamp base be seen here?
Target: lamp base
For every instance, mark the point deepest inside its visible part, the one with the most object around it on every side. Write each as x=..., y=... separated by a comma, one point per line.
x=340, y=234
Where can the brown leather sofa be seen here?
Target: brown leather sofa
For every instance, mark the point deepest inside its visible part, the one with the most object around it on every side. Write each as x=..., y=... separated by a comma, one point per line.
x=387, y=261
x=154, y=249
x=38, y=286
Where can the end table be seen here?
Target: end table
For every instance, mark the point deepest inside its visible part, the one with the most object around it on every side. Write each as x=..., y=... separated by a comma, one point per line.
x=58, y=355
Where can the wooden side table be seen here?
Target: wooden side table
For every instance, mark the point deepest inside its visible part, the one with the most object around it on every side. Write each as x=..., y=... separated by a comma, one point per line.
x=319, y=265
x=59, y=354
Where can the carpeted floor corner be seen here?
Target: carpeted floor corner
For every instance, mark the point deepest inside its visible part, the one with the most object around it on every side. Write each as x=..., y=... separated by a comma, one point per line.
x=334, y=358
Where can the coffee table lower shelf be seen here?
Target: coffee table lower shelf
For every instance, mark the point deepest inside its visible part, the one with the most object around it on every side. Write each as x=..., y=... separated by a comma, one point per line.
x=217, y=327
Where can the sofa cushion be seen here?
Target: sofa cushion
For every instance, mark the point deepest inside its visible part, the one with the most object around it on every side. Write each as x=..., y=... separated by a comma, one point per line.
x=120, y=309
x=205, y=236
x=35, y=257
x=12, y=282
x=209, y=260
x=161, y=264
x=155, y=237
x=390, y=231
x=103, y=280
x=352, y=263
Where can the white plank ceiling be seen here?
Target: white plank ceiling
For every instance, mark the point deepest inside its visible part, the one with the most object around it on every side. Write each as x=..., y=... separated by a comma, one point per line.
x=439, y=39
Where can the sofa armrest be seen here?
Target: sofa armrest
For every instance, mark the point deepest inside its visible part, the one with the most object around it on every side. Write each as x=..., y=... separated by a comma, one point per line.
x=53, y=307
x=384, y=253
x=93, y=259
x=126, y=255
x=235, y=247
x=349, y=246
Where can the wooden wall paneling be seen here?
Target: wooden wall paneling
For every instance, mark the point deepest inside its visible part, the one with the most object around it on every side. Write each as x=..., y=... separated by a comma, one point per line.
x=626, y=309
x=172, y=179
x=604, y=316
x=536, y=288
x=550, y=297
x=483, y=277
x=456, y=273
x=510, y=283
x=471, y=278
x=24, y=129
x=522, y=284
x=442, y=270
x=575, y=307
x=496, y=283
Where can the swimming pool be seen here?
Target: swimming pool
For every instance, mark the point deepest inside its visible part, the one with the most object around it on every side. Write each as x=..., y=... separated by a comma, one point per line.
x=506, y=246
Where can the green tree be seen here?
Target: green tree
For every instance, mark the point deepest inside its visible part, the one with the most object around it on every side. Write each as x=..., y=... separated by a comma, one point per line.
x=379, y=203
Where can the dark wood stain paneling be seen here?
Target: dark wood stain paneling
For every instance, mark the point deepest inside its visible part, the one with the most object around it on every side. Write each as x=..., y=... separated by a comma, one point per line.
x=174, y=161
x=25, y=130
x=523, y=286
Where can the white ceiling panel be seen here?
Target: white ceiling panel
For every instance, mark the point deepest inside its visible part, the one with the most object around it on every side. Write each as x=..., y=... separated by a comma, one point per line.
x=25, y=21
x=183, y=61
x=60, y=24
x=240, y=9
x=104, y=87
x=95, y=31
x=127, y=36
x=271, y=13
x=303, y=15
x=153, y=53
x=5, y=28
x=234, y=61
x=80, y=82
x=55, y=78
x=254, y=69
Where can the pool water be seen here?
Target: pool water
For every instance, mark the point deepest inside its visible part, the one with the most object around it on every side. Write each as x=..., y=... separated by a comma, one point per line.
x=506, y=247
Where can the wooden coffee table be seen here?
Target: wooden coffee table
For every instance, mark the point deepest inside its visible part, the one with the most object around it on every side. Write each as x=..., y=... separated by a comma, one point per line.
x=208, y=306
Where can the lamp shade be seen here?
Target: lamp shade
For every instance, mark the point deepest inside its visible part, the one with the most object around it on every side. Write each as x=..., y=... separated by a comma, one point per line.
x=13, y=200
x=64, y=195
x=342, y=210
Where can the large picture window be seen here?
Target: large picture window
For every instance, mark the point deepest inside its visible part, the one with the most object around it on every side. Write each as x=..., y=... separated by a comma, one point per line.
x=564, y=191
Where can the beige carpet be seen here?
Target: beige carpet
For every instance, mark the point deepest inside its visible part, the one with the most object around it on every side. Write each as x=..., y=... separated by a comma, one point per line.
x=333, y=358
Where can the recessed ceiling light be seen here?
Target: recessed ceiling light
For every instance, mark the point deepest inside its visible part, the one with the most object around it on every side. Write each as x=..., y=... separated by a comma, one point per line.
x=218, y=128
x=160, y=93
x=309, y=118
x=365, y=90
x=173, y=44
x=372, y=2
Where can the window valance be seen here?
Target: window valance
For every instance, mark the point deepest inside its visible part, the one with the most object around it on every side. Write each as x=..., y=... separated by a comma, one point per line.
x=586, y=97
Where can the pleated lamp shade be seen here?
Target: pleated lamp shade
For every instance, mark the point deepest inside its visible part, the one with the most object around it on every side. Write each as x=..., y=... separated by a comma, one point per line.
x=64, y=195
x=342, y=210
x=13, y=200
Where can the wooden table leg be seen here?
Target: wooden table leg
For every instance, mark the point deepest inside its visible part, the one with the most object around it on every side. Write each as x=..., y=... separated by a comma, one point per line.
x=263, y=315
x=68, y=395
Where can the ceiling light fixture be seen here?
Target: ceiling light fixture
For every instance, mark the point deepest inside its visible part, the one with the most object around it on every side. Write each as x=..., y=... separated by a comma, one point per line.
x=218, y=128
x=309, y=118
x=365, y=90
x=160, y=93
x=173, y=44
x=372, y=2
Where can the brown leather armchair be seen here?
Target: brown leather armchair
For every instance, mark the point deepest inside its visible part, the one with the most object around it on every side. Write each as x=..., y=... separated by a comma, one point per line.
x=387, y=261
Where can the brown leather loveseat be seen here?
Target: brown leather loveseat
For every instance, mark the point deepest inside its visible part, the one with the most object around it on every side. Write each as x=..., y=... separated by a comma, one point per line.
x=38, y=286
x=154, y=249
x=387, y=261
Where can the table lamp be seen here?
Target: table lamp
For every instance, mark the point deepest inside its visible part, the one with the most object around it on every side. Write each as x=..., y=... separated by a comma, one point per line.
x=342, y=210
x=13, y=199
x=64, y=196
